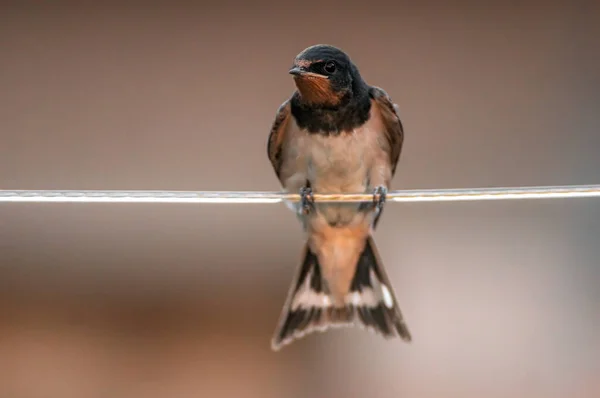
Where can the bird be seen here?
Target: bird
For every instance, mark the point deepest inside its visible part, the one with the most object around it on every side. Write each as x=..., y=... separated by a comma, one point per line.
x=336, y=134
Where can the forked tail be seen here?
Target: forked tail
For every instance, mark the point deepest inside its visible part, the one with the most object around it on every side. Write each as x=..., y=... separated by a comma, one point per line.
x=370, y=301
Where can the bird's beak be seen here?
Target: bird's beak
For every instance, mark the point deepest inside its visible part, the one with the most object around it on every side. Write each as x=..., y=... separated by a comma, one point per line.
x=297, y=71
x=301, y=72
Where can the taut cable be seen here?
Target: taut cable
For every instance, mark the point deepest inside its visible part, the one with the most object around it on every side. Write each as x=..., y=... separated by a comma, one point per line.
x=433, y=195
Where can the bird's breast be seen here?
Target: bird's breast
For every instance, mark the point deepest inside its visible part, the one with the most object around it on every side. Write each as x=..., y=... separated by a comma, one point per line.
x=337, y=163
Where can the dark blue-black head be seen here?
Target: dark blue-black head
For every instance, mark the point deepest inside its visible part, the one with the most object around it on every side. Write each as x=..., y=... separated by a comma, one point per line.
x=325, y=76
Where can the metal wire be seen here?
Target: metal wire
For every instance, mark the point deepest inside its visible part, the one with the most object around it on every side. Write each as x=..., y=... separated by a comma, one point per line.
x=434, y=195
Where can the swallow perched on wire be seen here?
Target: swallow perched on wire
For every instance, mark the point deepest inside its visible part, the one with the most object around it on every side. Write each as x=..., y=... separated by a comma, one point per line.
x=336, y=134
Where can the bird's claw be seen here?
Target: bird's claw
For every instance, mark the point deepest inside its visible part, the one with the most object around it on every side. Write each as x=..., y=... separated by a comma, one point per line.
x=379, y=196
x=307, y=200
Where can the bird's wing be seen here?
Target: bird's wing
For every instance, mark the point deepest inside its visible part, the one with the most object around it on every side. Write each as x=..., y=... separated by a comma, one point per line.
x=394, y=132
x=277, y=136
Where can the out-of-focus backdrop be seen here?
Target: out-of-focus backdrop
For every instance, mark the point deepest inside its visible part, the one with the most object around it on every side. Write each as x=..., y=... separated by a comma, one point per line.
x=99, y=300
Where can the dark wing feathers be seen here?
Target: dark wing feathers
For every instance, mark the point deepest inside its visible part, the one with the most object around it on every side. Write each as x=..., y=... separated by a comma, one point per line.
x=276, y=136
x=394, y=129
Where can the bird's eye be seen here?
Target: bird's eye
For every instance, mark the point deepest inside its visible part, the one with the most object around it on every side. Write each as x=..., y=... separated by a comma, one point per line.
x=330, y=67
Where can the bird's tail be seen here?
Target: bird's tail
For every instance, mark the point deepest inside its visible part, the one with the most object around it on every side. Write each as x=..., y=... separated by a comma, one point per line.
x=370, y=302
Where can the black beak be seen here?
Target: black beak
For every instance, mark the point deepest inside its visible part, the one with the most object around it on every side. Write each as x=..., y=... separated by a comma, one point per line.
x=297, y=71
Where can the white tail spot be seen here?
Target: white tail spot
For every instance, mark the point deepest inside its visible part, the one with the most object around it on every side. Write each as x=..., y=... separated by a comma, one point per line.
x=366, y=298
x=387, y=296
x=306, y=297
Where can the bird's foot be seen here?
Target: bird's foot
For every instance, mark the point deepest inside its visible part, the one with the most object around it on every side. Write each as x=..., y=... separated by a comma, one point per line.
x=307, y=200
x=379, y=196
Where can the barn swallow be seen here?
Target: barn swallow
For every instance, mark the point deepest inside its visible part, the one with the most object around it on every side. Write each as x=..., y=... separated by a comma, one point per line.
x=336, y=134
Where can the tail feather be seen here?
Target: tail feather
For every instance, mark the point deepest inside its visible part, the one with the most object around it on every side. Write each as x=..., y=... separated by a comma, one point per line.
x=370, y=301
x=378, y=308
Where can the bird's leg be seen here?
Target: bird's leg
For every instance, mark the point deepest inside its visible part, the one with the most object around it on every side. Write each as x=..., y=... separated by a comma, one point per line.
x=379, y=195
x=307, y=200
x=378, y=179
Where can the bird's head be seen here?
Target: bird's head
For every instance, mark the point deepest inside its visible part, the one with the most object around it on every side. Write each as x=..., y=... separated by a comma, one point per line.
x=324, y=75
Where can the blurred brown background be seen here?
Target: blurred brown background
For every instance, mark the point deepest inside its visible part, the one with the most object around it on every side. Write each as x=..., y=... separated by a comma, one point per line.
x=100, y=300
